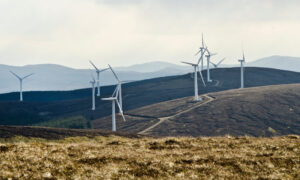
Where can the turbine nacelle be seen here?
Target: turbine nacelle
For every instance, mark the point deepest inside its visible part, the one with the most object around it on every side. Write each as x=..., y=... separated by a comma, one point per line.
x=21, y=82
x=98, y=71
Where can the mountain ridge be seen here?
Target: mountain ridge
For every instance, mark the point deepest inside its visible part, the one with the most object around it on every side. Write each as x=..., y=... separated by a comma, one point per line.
x=45, y=77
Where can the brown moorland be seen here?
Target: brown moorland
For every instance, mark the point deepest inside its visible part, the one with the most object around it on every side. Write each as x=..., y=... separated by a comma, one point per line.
x=116, y=157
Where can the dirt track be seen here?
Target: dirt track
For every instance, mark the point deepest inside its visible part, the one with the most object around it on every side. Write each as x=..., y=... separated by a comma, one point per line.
x=163, y=119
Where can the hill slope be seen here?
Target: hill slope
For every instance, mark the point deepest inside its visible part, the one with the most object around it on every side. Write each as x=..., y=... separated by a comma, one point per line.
x=259, y=111
x=44, y=106
x=278, y=62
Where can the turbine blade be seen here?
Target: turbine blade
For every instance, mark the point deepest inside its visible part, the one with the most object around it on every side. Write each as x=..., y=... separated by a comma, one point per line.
x=221, y=61
x=104, y=69
x=121, y=110
x=201, y=57
x=108, y=99
x=116, y=91
x=201, y=77
x=213, y=64
x=94, y=66
x=114, y=73
x=128, y=81
x=208, y=52
x=28, y=75
x=15, y=75
x=206, y=47
x=188, y=63
x=198, y=52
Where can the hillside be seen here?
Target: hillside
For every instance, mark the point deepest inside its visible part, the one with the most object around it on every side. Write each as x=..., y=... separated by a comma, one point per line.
x=45, y=106
x=117, y=157
x=278, y=62
x=260, y=111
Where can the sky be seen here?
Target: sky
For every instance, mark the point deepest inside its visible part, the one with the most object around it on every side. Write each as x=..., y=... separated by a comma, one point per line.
x=126, y=32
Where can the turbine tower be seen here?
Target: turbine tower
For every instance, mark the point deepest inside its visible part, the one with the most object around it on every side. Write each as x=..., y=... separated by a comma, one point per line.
x=208, y=62
x=196, y=66
x=114, y=100
x=21, y=83
x=242, y=61
x=93, y=93
x=217, y=65
x=98, y=71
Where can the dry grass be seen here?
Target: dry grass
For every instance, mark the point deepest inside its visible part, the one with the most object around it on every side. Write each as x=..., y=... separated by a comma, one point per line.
x=149, y=158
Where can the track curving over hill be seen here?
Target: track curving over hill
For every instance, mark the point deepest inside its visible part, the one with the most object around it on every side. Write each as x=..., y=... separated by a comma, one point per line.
x=260, y=111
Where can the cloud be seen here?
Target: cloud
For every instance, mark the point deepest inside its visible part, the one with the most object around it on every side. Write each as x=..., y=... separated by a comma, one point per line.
x=120, y=32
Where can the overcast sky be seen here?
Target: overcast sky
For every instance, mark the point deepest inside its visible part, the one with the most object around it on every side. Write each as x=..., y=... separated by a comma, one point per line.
x=125, y=32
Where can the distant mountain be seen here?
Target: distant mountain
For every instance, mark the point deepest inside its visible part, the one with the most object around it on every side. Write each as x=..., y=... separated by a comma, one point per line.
x=57, y=77
x=153, y=67
x=278, y=62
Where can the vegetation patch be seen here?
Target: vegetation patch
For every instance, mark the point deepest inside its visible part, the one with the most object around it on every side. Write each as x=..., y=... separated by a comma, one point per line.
x=76, y=122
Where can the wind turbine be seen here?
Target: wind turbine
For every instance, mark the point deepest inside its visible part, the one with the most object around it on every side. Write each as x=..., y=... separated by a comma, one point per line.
x=242, y=61
x=208, y=62
x=114, y=100
x=196, y=98
x=93, y=93
x=98, y=71
x=217, y=65
x=119, y=89
x=21, y=83
x=202, y=49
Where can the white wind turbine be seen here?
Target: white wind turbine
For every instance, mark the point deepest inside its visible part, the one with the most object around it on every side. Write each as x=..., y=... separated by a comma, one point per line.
x=98, y=71
x=202, y=49
x=114, y=100
x=242, y=61
x=196, y=66
x=208, y=62
x=93, y=93
x=119, y=89
x=217, y=65
x=21, y=83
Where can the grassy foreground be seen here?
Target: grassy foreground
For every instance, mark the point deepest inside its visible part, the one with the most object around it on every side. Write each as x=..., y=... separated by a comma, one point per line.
x=150, y=158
